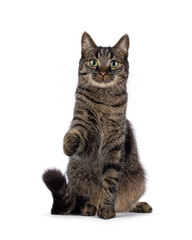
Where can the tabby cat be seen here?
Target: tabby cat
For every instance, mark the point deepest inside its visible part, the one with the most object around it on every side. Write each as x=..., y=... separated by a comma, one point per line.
x=104, y=172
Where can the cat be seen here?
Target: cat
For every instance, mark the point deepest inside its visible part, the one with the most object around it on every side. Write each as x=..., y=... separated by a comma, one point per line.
x=104, y=173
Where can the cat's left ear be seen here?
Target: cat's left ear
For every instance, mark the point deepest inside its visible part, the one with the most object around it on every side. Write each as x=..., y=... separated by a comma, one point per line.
x=122, y=45
x=87, y=43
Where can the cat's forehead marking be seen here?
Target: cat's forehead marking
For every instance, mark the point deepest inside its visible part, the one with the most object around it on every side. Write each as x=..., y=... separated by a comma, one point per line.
x=104, y=52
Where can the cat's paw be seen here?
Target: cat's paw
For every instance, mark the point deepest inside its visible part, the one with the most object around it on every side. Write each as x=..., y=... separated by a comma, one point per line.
x=88, y=210
x=142, y=207
x=106, y=212
x=71, y=143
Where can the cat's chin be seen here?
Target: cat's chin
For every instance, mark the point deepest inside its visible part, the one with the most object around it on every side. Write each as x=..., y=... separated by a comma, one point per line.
x=102, y=83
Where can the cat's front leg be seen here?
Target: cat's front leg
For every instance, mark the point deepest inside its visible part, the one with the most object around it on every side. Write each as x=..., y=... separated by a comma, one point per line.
x=111, y=175
x=73, y=142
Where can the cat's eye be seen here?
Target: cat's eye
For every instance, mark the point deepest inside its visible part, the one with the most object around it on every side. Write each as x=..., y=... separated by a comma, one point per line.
x=93, y=62
x=114, y=64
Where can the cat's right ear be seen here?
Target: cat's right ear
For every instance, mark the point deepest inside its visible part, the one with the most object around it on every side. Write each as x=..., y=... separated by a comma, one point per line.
x=87, y=43
x=122, y=45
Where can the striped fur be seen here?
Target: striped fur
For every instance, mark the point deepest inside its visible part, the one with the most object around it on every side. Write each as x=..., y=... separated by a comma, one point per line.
x=104, y=171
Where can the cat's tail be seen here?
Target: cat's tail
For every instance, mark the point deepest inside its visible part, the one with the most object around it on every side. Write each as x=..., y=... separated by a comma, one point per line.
x=63, y=200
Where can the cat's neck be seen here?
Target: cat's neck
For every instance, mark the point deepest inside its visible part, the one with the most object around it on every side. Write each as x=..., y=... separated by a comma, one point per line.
x=103, y=92
x=112, y=96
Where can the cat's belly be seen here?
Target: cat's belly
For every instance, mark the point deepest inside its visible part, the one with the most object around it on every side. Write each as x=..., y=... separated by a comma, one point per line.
x=85, y=177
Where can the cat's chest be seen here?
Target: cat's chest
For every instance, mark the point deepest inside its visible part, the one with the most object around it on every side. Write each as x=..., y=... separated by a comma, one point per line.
x=109, y=122
x=104, y=119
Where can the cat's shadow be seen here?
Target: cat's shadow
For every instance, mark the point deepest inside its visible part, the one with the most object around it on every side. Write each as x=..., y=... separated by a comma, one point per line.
x=129, y=214
x=118, y=215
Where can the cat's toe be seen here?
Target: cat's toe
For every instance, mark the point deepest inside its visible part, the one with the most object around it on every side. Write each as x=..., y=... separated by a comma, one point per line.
x=88, y=210
x=142, y=207
x=71, y=144
x=106, y=212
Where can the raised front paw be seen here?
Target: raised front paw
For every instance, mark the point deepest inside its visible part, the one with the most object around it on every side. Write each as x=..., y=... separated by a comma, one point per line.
x=71, y=143
x=106, y=212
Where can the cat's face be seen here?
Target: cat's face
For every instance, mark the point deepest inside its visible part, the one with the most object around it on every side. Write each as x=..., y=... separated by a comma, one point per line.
x=103, y=66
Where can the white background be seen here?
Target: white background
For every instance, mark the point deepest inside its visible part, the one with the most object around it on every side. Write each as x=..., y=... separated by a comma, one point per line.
x=39, y=54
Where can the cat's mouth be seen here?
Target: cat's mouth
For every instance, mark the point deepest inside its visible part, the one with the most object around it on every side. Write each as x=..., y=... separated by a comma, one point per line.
x=102, y=78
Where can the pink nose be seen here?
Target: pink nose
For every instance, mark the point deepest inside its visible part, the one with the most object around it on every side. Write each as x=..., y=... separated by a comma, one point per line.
x=102, y=73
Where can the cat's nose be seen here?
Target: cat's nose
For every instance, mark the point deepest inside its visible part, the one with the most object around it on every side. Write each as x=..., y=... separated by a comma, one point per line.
x=103, y=73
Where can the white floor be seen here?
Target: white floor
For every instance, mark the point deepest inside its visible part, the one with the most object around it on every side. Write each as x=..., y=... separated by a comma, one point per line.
x=27, y=216
x=130, y=226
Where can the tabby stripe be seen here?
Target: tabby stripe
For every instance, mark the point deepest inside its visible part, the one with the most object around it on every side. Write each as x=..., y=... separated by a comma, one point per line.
x=81, y=100
x=93, y=121
x=84, y=102
x=120, y=104
x=83, y=136
x=79, y=125
x=77, y=111
x=121, y=93
x=116, y=124
x=98, y=51
x=123, y=76
x=111, y=53
x=83, y=73
x=93, y=126
x=107, y=202
x=89, y=112
x=92, y=117
x=84, y=88
x=116, y=148
x=93, y=100
x=112, y=189
x=115, y=179
x=90, y=99
x=85, y=140
x=110, y=182
x=90, y=91
x=82, y=120
x=112, y=138
x=117, y=167
x=115, y=135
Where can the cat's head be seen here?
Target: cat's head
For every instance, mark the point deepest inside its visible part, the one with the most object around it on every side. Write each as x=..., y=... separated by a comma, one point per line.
x=103, y=66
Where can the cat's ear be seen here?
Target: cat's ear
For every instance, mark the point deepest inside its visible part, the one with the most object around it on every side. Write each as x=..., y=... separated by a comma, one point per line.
x=87, y=43
x=122, y=45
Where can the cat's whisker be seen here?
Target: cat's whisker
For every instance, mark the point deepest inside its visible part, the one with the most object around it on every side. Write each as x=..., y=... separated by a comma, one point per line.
x=69, y=70
x=120, y=89
x=83, y=87
x=86, y=86
x=117, y=87
x=72, y=81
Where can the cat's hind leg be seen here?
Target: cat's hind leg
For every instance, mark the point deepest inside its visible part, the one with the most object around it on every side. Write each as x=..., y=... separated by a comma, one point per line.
x=83, y=207
x=88, y=210
x=141, y=207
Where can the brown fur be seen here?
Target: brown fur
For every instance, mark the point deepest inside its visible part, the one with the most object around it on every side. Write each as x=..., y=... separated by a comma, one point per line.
x=104, y=172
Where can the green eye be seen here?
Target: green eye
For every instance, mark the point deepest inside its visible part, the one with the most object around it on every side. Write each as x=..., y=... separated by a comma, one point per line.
x=114, y=64
x=93, y=63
